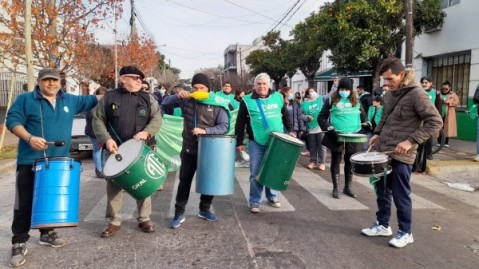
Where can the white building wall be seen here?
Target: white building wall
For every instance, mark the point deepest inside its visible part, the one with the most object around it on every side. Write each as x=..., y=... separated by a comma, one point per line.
x=458, y=33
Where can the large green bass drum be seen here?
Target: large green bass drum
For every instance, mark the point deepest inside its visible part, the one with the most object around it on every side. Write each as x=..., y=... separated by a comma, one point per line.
x=282, y=154
x=139, y=171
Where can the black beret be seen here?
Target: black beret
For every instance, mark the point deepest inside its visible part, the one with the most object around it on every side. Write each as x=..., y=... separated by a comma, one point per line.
x=131, y=70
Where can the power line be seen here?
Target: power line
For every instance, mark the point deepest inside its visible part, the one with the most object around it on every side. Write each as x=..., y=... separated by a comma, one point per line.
x=255, y=12
x=287, y=13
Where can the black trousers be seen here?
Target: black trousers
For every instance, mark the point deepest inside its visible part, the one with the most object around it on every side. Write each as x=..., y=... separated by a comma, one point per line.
x=336, y=161
x=187, y=171
x=22, y=213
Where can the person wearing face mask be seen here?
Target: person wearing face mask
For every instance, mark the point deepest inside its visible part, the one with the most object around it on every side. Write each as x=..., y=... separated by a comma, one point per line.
x=160, y=93
x=344, y=114
x=297, y=97
x=312, y=106
x=294, y=110
x=449, y=102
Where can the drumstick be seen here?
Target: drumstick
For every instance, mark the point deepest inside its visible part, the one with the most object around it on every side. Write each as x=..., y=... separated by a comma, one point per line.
x=118, y=156
x=58, y=143
x=369, y=149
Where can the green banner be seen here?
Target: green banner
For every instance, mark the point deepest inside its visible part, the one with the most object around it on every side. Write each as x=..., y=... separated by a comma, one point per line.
x=169, y=141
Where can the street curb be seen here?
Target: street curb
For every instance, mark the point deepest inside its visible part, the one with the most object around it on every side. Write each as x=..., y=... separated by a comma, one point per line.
x=434, y=166
x=7, y=166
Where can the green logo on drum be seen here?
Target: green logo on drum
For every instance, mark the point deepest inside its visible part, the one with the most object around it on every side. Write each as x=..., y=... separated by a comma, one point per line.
x=154, y=168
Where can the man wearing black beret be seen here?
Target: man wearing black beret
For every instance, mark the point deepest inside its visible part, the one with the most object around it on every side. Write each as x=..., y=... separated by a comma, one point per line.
x=126, y=113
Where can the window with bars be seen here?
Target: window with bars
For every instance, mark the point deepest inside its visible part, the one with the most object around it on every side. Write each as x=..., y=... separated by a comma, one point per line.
x=448, y=3
x=455, y=69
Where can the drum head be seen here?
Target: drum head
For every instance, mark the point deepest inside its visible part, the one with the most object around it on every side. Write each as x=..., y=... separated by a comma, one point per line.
x=287, y=138
x=373, y=157
x=129, y=151
x=354, y=135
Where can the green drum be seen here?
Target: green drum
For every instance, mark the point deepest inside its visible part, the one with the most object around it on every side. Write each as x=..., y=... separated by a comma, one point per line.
x=352, y=138
x=139, y=171
x=282, y=154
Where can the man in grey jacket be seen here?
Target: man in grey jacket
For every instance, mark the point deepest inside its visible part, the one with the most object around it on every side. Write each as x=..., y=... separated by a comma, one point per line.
x=409, y=119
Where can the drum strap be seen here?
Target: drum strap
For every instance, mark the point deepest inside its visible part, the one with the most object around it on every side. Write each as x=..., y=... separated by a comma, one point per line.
x=374, y=180
x=263, y=116
x=113, y=130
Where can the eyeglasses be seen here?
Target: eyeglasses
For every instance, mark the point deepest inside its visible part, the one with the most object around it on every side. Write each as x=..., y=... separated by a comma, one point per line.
x=133, y=77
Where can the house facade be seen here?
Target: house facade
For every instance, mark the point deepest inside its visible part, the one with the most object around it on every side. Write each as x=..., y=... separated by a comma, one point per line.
x=451, y=53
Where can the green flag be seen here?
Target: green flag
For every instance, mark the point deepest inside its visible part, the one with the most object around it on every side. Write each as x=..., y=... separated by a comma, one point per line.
x=169, y=141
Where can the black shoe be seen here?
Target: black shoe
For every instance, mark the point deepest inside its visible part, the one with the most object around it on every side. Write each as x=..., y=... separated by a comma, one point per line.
x=429, y=157
x=99, y=174
x=335, y=193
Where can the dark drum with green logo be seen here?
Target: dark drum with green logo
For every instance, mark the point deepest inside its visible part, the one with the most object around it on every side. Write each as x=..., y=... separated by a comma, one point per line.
x=282, y=154
x=139, y=172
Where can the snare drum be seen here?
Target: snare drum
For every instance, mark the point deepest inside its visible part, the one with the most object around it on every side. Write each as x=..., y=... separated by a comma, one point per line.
x=140, y=171
x=370, y=164
x=352, y=138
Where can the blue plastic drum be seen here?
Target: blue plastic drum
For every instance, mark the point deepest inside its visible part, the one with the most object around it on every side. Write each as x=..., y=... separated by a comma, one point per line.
x=56, y=193
x=215, y=172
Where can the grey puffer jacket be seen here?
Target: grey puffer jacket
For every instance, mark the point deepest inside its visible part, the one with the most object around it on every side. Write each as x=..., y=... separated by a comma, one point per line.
x=413, y=118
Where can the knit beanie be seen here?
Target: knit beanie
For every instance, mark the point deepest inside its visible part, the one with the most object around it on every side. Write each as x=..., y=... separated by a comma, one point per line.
x=200, y=78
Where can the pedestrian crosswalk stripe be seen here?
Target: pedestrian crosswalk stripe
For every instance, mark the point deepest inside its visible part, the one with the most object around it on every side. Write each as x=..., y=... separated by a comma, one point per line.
x=417, y=202
x=242, y=176
x=321, y=190
x=192, y=208
x=470, y=198
x=128, y=209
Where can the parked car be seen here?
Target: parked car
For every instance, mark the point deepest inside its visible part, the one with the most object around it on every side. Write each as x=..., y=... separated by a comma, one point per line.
x=79, y=141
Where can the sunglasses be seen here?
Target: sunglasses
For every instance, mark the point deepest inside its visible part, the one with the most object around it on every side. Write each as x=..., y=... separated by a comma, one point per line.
x=133, y=77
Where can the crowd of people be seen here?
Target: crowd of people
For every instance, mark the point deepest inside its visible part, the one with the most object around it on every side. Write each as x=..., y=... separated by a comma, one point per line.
x=403, y=117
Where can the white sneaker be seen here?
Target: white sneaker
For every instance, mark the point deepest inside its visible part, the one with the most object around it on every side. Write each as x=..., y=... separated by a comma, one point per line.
x=446, y=145
x=401, y=240
x=254, y=208
x=245, y=156
x=275, y=204
x=377, y=230
x=476, y=158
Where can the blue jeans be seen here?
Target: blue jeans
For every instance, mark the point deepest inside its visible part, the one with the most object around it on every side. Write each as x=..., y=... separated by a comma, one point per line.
x=317, y=152
x=256, y=153
x=397, y=186
x=98, y=155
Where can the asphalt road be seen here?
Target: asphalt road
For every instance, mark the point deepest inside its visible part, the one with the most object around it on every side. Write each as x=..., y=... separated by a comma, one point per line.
x=311, y=230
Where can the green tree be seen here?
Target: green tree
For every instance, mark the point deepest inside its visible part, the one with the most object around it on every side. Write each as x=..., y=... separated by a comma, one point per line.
x=304, y=51
x=274, y=60
x=361, y=33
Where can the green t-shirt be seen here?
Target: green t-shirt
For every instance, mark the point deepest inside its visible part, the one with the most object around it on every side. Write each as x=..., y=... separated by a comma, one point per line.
x=345, y=118
x=444, y=108
x=272, y=106
x=312, y=108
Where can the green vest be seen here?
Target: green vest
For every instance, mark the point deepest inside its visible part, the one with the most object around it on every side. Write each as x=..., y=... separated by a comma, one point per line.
x=272, y=106
x=312, y=108
x=345, y=118
x=432, y=95
x=377, y=116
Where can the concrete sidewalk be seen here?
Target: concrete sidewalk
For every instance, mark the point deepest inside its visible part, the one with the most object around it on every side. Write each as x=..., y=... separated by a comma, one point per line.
x=455, y=164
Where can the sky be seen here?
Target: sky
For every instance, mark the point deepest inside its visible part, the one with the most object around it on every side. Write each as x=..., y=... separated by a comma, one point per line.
x=193, y=34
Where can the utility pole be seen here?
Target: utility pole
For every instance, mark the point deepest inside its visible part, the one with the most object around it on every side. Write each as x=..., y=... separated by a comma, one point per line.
x=28, y=44
x=132, y=19
x=409, y=29
x=116, y=50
